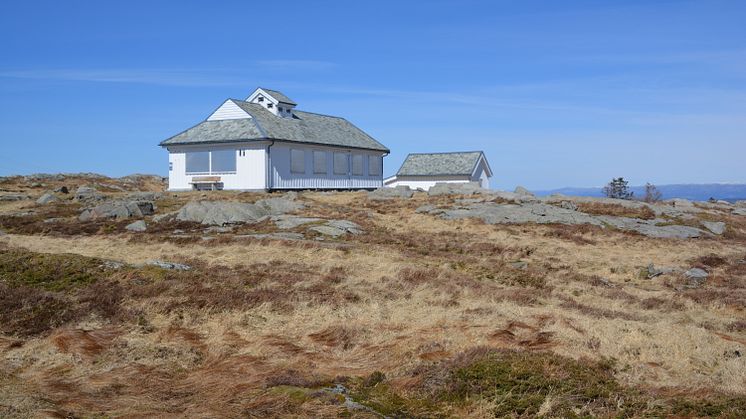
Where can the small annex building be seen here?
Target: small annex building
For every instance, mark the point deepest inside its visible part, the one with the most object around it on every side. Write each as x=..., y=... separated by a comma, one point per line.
x=424, y=170
x=265, y=143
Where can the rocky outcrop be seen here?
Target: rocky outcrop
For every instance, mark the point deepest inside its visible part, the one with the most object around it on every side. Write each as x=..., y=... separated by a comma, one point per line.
x=221, y=212
x=695, y=277
x=543, y=213
x=381, y=194
x=337, y=228
x=14, y=197
x=118, y=210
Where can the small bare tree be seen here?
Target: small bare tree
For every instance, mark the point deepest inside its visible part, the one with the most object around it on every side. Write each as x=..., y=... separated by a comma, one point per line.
x=652, y=194
x=618, y=188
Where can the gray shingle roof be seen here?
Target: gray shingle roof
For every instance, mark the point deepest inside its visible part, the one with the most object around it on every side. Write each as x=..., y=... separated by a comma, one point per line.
x=303, y=127
x=279, y=96
x=432, y=164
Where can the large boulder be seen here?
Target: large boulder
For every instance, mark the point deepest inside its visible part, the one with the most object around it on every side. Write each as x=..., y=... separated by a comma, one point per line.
x=144, y=196
x=739, y=211
x=221, y=212
x=118, y=210
x=137, y=226
x=445, y=188
x=287, y=222
x=337, y=228
x=520, y=190
x=695, y=277
x=400, y=191
x=47, y=198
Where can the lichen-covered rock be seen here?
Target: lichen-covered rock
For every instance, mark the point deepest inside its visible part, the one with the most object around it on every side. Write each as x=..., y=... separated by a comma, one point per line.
x=14, y=197
x=467, y=188
x=47, y=198
x=118, y=210
x=286, y=222
x=280, y=205
x=695, y=277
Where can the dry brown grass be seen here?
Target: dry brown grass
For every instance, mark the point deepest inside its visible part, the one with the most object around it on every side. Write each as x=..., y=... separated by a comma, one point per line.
x=258, y=327
x=597, y=208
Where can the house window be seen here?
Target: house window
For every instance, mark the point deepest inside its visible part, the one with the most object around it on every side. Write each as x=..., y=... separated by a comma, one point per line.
x=357, y=164
x=198, y=162
x=205, y=162
x=223, y=161
x=374, y=165
x=319, y=162
x=281, y=109
x=297, y=161
x=269, y=106
x=170, y=166
x=341, y=164
x=261, y=98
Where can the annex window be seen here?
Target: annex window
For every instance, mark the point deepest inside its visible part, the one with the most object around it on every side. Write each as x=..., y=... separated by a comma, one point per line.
x=341, y=164
x=357, y=164
x=297, y=161
x=260, y=98
x=198, y=162
x=205, y=162
x=223, y=161
x=269, y=106
x=281, y=109
x=319, y=162
x=374, y=165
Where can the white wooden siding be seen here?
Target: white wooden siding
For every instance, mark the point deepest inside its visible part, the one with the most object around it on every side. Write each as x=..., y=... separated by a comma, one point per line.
x=251, y=173
x=282, y=178
x=228, y=110
x=423, y=182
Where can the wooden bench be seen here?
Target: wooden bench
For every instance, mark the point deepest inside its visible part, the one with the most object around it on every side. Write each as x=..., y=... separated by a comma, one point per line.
x=212, y=181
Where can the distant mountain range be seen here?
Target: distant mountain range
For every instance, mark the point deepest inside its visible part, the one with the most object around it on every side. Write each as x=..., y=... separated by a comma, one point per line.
x=695, y=192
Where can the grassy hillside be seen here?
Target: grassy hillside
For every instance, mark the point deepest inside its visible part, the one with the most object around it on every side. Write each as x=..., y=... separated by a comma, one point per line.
x=418, y=316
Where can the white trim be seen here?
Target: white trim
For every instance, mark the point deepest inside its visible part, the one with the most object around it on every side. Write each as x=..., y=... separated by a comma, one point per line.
x=228, y=110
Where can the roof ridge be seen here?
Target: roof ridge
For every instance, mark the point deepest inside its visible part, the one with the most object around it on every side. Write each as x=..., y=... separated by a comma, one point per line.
x=446, y=152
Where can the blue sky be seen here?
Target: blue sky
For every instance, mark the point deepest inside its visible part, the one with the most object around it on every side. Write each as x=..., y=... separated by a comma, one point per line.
x=557, y=93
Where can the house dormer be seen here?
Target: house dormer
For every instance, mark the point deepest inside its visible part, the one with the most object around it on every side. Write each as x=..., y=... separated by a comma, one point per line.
x=273, y=101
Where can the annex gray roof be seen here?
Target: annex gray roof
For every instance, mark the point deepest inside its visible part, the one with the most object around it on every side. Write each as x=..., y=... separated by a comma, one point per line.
x=303, y=127
x=434, y=164
x=279, y=96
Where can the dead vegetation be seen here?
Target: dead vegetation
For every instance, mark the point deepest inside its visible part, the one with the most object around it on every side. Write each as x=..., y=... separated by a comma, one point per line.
x=417, y=317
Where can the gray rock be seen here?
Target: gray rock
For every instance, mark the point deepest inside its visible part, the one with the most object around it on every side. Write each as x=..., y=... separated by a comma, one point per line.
x=679, y=202
x=87, y=193
x=14, y=197
x=144, y=196
x=328, y=230
x=137, y=226
x=519, y=264
x=112, y=264
x=164, y=217
x=47, y=198
x=739, y=211
x=287, y=222
x=716, y=227
x=280, y=205
x=425, y=209
x=2, y=233
x=62, y=189
x=654, y=271
x=695, y=277
x=651, y=228
x=283, y=235
x=520, y=190
x=492, y=213
x=741, y=203
x=218, y=230
x=118, y=210
x=168, y=265
x=221, y=213
x=401, y=191
x=347, y=226
x=569, y=205
x=468, y=188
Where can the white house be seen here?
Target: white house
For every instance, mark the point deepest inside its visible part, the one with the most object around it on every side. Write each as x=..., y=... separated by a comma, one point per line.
x=263, y=142
x=424, y=170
